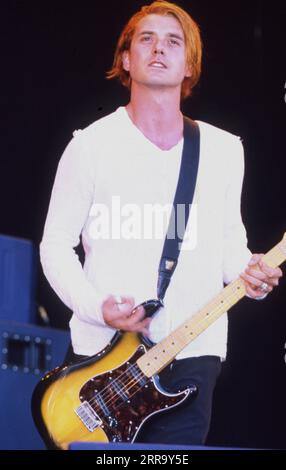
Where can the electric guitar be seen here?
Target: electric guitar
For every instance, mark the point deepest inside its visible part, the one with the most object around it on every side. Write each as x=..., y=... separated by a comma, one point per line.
x=109, y=397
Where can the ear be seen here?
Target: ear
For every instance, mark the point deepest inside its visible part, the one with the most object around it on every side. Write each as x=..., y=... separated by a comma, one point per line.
x=188, y=71
x=126, y=61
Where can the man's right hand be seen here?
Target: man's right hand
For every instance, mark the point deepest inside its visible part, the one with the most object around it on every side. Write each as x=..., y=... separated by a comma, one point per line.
x=119, y=313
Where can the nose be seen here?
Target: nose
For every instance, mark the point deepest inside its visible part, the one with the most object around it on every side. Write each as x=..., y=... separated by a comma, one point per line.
x=158, y=47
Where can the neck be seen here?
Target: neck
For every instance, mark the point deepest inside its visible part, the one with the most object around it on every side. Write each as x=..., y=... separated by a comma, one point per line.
x=157, y=115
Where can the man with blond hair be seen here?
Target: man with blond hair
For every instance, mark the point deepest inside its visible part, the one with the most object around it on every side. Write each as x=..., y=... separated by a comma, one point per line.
x=134, y=155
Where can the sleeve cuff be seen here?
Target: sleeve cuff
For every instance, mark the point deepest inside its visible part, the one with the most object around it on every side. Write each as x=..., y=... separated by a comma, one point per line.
x=261, y=297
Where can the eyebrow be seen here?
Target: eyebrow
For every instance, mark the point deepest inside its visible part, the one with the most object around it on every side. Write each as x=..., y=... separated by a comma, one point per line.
x=171, y=35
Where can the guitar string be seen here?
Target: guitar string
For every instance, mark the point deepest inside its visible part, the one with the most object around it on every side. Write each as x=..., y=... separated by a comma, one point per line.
x=141, y=375
x=126, y=386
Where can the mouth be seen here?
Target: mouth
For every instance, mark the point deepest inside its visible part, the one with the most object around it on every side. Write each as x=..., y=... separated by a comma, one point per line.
x=157, y=65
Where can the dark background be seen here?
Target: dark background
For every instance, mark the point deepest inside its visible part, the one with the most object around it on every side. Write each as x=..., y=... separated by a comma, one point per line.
x=54, y=56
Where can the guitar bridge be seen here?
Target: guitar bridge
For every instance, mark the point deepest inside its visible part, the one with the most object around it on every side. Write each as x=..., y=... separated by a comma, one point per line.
x=87, y=415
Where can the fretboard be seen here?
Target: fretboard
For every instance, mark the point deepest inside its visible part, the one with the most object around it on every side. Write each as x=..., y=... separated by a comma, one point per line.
x=164, y=352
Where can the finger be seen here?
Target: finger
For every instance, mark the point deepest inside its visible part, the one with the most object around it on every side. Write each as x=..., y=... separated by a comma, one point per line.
x=255, y=259
x=110, y=310
x=252, y=280
x=252, y=292
x=125, y=310
x=127, y=299
x=110, y=301
x=256, y=274
x=262, y=277
x=271, y=272
x=124, y=304
x=272, y=281
x=255, y=293
x=145, y=332
x=115, y=301
x=143, y=327
x=271, y=276
x=138, y=309
x=128, y=321
x=136, y=315
x=139, y=327
x=256, y=285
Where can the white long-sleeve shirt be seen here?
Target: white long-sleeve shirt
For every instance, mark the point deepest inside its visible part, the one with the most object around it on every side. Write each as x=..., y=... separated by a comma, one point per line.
x=111, y=165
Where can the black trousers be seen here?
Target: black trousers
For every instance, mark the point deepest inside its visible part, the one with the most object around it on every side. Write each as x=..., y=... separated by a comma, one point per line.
x=190, y=424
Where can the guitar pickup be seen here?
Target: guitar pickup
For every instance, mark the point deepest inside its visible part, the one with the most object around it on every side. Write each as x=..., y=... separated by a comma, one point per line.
x=87, y=415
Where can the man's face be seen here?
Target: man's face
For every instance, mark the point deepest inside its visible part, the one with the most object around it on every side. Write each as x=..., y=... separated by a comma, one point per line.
x=157, y=56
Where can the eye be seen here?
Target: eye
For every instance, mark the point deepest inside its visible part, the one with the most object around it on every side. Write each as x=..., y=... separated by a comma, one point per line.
x=174, y=42
x=146, y=38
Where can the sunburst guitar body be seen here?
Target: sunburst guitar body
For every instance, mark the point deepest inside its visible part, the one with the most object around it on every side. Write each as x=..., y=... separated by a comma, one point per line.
x=105, y=398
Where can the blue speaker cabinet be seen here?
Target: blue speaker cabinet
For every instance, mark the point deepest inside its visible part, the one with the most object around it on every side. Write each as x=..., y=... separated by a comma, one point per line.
x=27, y=352
x=17, y=273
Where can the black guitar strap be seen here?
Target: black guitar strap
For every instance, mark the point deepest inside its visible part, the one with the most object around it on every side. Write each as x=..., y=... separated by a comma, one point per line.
x=181, y=206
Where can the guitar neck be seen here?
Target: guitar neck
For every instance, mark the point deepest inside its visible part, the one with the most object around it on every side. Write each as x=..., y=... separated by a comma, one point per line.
x=158, y=357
